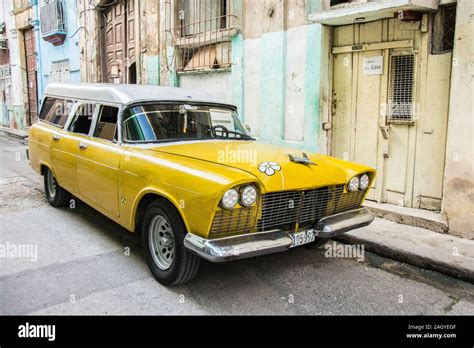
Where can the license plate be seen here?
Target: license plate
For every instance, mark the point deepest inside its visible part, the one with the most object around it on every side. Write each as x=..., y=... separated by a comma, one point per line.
x=301, y=238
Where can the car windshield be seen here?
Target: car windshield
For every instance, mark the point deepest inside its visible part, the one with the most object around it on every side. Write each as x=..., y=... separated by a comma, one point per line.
x=181, y=122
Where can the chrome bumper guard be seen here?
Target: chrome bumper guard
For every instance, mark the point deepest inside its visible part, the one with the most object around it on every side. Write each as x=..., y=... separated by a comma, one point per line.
x=261, y=243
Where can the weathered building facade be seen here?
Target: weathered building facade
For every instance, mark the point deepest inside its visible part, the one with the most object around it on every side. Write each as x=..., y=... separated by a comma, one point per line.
x=383, y=82
x=395, y=83
x=42, y=48
x=11, y=96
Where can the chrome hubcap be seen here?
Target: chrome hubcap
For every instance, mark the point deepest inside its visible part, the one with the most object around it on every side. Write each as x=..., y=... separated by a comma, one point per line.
x=51, y=185
x=161, y=240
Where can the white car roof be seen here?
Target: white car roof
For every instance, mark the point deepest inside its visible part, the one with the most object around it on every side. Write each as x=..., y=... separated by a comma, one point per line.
x=127, y=93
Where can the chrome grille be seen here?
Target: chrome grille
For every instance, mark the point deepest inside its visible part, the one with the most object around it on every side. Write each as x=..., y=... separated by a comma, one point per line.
x=286, y=210
x=228, y=222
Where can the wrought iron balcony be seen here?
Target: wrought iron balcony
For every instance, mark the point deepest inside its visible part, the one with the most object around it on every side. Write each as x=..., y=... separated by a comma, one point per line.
x=53, y=21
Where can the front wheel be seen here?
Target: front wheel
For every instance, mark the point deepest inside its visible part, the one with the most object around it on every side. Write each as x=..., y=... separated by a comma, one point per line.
x=163, y=234
x=55, y=194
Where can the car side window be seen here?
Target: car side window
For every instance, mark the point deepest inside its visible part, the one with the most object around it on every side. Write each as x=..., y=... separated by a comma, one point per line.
x=56, y=111
x=82, y=120
x=107, y=123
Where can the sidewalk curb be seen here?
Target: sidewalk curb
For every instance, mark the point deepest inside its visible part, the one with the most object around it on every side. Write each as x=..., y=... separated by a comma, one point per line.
x=14, y=133
x=409, y=220
x=409, y=257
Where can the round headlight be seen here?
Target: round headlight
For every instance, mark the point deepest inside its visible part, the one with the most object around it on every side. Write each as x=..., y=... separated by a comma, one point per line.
x=364, y=182
x=248, y=195
x=353, y=184
x=230, y=199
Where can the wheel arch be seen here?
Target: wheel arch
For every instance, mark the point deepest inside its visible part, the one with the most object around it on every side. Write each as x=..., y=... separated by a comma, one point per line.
x=145, y=199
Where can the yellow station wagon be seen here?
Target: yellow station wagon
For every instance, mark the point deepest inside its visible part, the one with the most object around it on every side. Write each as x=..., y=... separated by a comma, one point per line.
x=179, y=167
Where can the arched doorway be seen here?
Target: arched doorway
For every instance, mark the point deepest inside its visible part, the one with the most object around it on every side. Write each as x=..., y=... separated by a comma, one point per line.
x=119, y=41
x=132, y=73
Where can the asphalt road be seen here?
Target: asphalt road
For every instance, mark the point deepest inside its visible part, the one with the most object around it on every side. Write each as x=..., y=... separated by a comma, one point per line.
x=86, y=264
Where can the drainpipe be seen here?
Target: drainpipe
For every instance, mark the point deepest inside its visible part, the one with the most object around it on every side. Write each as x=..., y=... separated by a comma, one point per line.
x=40, y=66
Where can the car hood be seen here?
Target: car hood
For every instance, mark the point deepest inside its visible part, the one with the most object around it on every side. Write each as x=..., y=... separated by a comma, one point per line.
x=270, y=164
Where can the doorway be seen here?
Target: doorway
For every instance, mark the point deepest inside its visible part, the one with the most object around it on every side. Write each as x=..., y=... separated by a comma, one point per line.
x=119, y=42
x=390, y=108
x=31, y=75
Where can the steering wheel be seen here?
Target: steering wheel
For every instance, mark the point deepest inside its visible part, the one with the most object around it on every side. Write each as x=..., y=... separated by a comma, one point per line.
x=219, y=128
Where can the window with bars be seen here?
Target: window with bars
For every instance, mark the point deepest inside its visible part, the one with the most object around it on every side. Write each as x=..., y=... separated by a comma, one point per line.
x=401, y=106
x=444, y=25
x=201, y=32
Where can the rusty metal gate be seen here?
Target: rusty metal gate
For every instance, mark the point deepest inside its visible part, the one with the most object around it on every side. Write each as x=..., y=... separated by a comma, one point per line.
x=31, y=75
x=119, y=42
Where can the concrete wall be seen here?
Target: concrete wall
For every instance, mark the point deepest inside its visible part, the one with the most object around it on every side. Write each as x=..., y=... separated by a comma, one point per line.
x=458, y=204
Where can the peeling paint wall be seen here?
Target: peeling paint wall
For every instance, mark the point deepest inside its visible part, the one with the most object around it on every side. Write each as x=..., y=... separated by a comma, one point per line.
x=458, y=204
x=282, y=67
x=217, y=84
x=275, y=72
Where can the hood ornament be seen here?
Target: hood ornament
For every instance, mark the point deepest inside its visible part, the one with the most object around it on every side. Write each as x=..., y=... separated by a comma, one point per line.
x=302, y=160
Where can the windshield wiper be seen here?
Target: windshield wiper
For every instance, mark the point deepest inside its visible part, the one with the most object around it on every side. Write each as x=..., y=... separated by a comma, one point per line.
x=224, y=134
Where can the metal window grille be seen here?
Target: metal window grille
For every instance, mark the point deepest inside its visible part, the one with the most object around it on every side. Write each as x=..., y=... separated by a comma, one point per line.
x=449, y=25
x=53, y=17
x=401, y=106
x=5, y=72
x=201, y=31
x=444, y=25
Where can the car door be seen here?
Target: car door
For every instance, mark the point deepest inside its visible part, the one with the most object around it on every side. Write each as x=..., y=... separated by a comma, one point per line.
x=63, y=146
x=99, y=159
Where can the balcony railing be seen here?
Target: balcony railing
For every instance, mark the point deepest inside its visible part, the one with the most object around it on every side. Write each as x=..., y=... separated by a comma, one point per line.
x=53, y=21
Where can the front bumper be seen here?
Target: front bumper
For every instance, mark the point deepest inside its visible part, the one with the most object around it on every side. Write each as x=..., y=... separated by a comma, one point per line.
x=261, y=243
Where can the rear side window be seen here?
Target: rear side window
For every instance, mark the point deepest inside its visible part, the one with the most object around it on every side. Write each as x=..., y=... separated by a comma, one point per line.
x=107, y=123
x=82, y=121
x=56, y=111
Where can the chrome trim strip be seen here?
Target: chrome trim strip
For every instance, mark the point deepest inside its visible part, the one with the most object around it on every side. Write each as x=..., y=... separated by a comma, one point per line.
x=334, y=225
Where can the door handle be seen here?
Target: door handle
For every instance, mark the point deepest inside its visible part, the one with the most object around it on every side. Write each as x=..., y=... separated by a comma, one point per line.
x=82, y=146
x=56, y=137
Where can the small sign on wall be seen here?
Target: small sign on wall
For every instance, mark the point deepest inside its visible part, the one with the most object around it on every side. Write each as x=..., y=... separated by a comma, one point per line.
x=373, y=65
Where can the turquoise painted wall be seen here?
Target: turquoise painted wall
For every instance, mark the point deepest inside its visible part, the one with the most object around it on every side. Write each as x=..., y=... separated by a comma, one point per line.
x=152, y=68
x=47, y=53
x=312, y=117
x=273, y=86
x=237, y=74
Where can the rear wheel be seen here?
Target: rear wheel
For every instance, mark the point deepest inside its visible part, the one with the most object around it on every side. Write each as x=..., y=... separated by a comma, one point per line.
x=55, y=194
x=163, y=234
